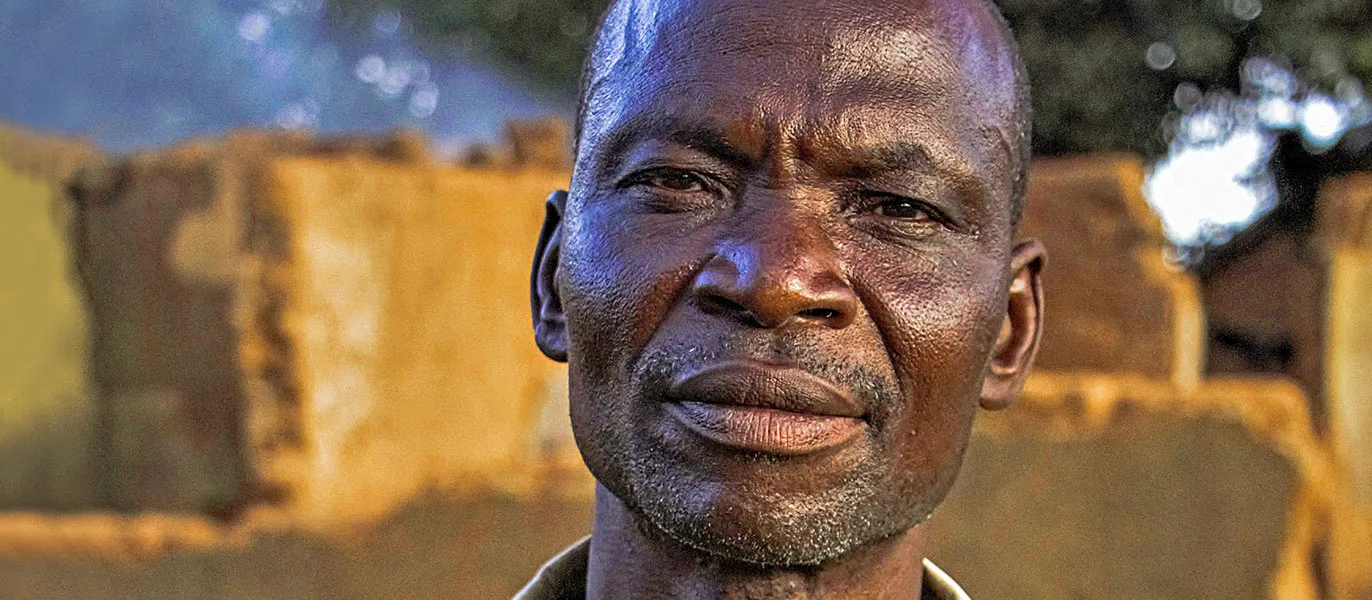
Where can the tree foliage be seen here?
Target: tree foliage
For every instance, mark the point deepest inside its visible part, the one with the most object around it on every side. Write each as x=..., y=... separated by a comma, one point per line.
x=542, y=41
x=1094, y=90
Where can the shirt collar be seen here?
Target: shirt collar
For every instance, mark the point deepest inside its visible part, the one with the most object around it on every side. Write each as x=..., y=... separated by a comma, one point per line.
x=564, y=578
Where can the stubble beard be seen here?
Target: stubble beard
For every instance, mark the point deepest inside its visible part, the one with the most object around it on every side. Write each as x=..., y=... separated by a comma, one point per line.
x=770, y=529
x=744, y=521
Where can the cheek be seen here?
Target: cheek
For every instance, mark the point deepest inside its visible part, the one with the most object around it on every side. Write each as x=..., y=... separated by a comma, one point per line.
x=619, y=276
x=939, y=317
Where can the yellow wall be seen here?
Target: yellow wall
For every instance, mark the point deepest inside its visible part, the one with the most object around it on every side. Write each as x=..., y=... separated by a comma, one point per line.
x=1350, y=363
x=46, y=432
x=407, y=298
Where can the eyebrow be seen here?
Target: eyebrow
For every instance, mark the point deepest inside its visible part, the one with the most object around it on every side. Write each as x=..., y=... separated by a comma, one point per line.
x=710, y=141
x=906, y=157
x=893, y=157
x=696, y=134
x=703, y=135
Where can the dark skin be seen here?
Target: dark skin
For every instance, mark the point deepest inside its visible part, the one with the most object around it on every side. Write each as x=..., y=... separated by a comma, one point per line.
x=785, y=277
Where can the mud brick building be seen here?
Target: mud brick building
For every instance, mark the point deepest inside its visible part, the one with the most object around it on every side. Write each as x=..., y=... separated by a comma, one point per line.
x=302, y=368
x=1288, y=297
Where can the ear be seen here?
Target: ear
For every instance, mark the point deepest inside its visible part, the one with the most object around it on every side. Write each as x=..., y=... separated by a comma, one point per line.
x=550, y=324
x=1019, y=337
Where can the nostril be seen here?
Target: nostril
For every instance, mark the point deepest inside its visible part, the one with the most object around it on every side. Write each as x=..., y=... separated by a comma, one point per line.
x=721, y=305
x=819, y=314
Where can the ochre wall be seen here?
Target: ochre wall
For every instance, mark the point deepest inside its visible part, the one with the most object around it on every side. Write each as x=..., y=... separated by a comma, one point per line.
x=1346, y=235
x=392, y=432
x=406, y=294
x=1122, y=473
x=440, y=544
x=1108, y=486
x=47, y=412
x=345, y=325
x=1113, y=302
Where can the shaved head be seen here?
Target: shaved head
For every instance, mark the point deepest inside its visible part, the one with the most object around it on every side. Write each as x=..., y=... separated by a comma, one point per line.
x=627, y=23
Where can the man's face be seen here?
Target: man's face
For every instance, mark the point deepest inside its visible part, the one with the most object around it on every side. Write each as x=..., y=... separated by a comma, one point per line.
x=783, y=265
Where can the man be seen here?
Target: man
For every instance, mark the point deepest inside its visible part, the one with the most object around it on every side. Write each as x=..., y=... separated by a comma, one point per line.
x=784, y=278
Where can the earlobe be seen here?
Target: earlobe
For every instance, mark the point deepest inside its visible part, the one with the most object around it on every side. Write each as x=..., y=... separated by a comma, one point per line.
x=550, y=323
x=1019, y=338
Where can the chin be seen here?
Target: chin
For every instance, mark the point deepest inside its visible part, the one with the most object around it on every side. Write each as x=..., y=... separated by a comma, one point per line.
x=741, y=522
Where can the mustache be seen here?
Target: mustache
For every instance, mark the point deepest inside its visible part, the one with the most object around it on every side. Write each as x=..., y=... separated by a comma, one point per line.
x=877, y=393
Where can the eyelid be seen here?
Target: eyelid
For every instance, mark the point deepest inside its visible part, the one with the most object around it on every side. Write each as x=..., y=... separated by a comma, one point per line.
x=638, y=176
x=875, y=198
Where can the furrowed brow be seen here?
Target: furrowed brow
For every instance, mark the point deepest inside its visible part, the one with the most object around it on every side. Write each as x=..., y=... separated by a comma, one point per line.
x=698, y=135
x=710, y=141
x=896, y=157
x=899, y=158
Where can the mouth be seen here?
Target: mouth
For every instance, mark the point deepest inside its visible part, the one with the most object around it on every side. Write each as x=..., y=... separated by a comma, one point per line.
x=765, y=408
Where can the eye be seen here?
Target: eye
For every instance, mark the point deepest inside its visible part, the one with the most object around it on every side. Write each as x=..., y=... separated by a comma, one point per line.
x=906, y=209
x=675, y=180
x=672, y=190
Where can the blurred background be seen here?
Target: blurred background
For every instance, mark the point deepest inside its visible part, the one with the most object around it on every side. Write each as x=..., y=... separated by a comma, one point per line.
x=232, y=234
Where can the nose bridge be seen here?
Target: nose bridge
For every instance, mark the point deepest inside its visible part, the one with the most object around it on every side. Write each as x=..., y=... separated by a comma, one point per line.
x=779, y=247
x=775, y=265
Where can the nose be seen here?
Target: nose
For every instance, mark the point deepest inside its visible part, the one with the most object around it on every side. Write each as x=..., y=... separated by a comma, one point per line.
x=775, y=272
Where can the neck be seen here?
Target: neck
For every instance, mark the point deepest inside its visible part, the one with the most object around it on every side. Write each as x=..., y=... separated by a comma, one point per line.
x=626, y=562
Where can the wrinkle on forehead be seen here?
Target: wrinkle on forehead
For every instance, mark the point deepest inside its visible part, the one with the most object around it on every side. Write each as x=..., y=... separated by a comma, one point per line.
x=858, y=40
x=861, y=53
x=627, y=36
x=623, y=38
x=960, y=49
x=986, y=58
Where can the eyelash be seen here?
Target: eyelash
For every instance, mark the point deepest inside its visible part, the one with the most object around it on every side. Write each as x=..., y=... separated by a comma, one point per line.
x=647, y=177
x=875, y=201
x=871, y=200
x=701, y=193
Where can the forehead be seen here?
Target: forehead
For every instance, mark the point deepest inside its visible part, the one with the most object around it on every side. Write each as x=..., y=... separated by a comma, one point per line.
x=824, y=73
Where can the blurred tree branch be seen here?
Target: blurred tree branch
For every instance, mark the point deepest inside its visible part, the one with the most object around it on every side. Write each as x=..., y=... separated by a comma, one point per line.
x=542, y=41
x=1094, y=90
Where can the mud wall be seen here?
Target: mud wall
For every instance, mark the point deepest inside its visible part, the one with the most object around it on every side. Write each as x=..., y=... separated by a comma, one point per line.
x=48, y=411
x=1346, y=237
x=311, y=375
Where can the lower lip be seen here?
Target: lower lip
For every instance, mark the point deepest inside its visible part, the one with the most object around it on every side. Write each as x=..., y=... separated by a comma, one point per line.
x=765, y=430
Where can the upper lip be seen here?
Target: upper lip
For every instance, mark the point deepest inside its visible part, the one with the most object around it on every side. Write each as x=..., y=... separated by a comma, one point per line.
x=764, y=385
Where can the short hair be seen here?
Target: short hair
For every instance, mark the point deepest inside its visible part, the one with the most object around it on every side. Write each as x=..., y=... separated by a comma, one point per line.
x=1023, y=111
